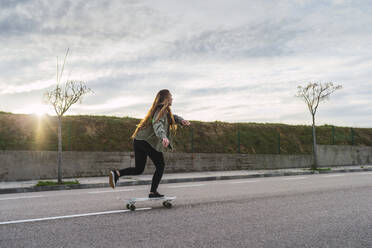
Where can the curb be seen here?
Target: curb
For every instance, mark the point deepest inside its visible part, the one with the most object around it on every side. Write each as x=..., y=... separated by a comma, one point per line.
x=173, y=180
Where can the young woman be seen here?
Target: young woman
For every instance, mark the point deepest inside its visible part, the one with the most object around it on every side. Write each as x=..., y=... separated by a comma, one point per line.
x=151, y=139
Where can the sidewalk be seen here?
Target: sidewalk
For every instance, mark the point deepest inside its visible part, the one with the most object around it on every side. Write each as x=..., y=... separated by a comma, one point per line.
x=102, y=182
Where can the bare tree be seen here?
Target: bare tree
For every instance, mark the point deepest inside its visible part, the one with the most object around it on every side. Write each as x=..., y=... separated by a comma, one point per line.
x=312, y=94
x=62, y=98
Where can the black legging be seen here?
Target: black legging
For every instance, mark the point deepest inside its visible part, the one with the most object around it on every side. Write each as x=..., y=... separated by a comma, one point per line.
x=142, y=149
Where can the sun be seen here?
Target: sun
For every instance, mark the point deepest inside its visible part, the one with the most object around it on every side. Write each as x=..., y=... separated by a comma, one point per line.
x=41, y=110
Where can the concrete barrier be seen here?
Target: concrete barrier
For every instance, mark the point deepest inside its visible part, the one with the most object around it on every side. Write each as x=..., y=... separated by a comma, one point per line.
x=33, y=165
x=344, y=155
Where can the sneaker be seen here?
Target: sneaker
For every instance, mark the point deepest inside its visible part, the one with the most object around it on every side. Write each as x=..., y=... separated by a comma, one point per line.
x=155, y=195
x=113, y=178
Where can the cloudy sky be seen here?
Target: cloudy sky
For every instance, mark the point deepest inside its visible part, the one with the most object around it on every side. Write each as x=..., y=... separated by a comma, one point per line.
x=235, y=61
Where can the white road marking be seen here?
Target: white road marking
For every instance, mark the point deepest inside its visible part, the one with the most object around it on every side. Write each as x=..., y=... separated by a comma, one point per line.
x=293, y=178
x=68, y=216
x=250, y=181
x=186, y=186
x=21, y=197
x=334, y=175
x=110, y=191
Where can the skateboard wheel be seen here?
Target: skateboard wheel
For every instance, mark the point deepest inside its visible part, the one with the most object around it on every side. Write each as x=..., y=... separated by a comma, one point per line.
x=132, y=207
x=167, y=204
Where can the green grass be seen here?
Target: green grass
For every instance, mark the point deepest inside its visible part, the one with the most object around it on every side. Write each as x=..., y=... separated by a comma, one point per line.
x=52, y=183
x=110, y=133
x=321, y=169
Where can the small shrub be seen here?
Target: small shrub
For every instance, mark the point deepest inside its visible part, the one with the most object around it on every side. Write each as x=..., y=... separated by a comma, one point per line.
x=52, y=183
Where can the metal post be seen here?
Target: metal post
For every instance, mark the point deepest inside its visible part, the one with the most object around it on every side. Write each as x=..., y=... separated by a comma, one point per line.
x=238, y=140
x=333, y=135
x=68, y=136
x=2, y=144
x=192, y=140
x=278, y=143
x=352, y=136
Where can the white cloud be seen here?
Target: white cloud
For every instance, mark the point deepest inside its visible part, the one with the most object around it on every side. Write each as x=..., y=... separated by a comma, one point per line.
x=114, y=103
x=24, y=88
x=223, y=60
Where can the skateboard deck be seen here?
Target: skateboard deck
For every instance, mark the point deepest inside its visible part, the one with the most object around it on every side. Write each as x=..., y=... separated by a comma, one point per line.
x=166, y=201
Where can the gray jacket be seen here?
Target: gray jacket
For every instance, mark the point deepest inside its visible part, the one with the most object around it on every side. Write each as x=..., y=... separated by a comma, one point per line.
x=155, y=133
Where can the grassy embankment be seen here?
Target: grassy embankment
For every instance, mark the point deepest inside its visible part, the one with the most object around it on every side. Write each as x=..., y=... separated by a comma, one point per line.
x=105, y=133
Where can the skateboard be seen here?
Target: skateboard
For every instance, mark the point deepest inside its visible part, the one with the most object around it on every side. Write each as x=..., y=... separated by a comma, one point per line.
x=167, y=201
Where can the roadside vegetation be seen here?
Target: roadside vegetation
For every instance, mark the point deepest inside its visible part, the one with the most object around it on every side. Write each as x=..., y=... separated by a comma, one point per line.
x=108, y=133
x=53, y=183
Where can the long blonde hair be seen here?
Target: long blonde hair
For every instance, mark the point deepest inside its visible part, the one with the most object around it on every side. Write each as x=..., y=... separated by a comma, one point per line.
x=162, y=102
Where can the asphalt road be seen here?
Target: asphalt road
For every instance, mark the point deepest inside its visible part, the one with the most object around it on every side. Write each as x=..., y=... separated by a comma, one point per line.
x=304, y=211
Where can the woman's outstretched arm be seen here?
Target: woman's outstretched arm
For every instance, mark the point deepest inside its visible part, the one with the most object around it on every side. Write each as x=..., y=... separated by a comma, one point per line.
x=181, y=121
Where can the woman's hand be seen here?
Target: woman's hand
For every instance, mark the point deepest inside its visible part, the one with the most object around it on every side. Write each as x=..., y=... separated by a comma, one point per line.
x=165, y=142
x=185, y=123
